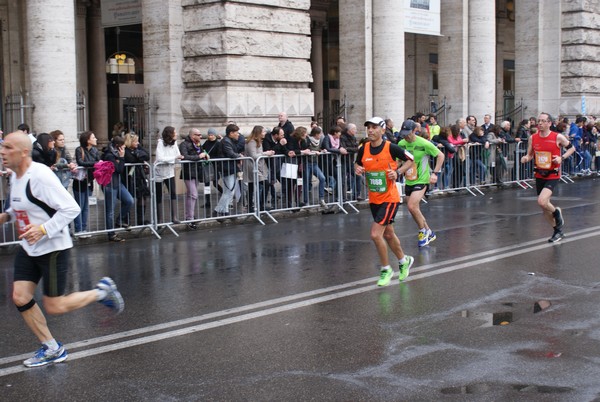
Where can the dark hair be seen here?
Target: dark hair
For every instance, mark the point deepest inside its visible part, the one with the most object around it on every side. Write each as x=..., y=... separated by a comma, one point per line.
x=256, y=135
x=299, y=132
x=231, y=128
x=84, y=138
x=56, y=133
x=445, y=132
x=335, y=129
x=477, y=130
x=23, y=127
x=167, y=135
x=315, y=131
x=43, y=139
x=117, y=141
x=524, y=122
x=561, y=127
x=455, y=131
x=276, y=130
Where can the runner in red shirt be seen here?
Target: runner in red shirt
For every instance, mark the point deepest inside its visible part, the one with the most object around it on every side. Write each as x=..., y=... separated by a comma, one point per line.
x=545, y=150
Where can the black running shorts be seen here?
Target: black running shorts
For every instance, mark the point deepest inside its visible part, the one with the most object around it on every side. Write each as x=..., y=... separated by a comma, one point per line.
x=541, y=184
x=52, y=267
x=415, y=187
x=385, y=213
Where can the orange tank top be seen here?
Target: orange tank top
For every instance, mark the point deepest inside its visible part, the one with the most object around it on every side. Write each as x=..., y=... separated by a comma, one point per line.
x=381, y=189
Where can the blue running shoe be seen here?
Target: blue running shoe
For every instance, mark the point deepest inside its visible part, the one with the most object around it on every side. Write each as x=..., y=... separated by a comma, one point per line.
x=423, y=238
x=431, y=236
x=113, y=299
x=44, y=356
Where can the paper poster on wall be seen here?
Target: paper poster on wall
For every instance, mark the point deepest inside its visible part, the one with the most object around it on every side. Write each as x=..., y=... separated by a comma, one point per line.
x=422, y=16
x=121, y=12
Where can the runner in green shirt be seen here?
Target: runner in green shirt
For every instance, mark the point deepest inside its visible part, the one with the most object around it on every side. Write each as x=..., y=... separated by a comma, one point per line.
x=418, y=177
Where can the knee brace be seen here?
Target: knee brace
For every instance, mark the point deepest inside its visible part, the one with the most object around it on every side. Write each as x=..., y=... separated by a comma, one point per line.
x=27, y=306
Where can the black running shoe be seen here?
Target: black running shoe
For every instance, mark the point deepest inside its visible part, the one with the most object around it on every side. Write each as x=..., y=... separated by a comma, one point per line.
x=557, y=236
x=558, y=219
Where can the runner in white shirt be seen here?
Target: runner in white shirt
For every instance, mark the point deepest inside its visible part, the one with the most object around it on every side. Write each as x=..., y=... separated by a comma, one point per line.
x=42, y=210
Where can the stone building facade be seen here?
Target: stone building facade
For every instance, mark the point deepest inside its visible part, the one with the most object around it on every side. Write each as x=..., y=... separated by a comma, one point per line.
x=204, y=63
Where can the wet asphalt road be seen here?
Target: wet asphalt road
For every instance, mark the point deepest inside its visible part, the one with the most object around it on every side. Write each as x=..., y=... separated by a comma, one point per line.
x=290, y=312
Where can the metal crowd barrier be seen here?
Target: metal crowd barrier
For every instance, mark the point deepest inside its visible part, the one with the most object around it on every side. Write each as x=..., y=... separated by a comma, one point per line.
x=234, y=188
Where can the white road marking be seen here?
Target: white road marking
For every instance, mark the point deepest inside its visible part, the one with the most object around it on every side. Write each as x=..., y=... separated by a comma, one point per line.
x=338, y=292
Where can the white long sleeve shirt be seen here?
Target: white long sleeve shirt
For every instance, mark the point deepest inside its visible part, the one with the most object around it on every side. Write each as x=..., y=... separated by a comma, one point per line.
x=166, y=156
x=46, y=187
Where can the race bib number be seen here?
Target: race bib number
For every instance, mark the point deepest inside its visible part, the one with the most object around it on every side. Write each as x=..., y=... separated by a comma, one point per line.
x=377, y=182
x=22, y=221
x=543, y=159
x=411, y=174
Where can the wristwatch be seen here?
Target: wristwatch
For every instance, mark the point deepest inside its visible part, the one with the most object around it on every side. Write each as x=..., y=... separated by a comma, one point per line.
x=436, y=173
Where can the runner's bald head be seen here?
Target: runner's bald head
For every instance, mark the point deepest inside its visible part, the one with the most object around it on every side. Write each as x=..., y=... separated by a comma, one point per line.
x=20, y=140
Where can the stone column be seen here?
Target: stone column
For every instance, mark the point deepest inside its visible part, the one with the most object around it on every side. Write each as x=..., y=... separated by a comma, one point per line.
x=81, y=46
x=482, y=58
x=246, y=62
x=97, y=92
x=453, y=58
x=538, y=55
x=316, y=61
x=579, y=61
x=51, y=62
x=417, y=72
x=356, y=59
x=163, y=59
x=388, y=59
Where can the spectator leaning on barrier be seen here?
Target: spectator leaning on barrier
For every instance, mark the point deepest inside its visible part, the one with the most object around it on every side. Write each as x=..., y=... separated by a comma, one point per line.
x=228, y=168
x=442, y=142
x=64, y=163
x=167, y=154
x=311, y=167
x=115, y=153
x=349, y=142
x=254, y=150
x=212, y=146
x=86, y=156
x=274, y=141
x=286, y=125
x=138, y=183
x=487, y=124
x=331, y=143
x=43, y=150
x=191, y=150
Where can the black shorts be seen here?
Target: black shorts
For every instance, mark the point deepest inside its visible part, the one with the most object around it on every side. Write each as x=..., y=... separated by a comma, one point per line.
x=385, y=213
x=415, y=187
x=52, y=267
x=541, y=184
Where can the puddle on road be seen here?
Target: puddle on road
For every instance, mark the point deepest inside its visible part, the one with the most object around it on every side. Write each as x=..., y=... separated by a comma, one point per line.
x=482, y=388
x=491, y=319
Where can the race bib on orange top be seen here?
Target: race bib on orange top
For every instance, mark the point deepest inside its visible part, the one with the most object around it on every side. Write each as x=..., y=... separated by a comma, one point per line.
x=22, y=221
x=411, y=174
x=377, y=181
x=543, y=159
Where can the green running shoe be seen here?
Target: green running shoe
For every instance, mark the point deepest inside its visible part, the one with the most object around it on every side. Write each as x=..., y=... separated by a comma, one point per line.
x=385, y=277
x=405, y=268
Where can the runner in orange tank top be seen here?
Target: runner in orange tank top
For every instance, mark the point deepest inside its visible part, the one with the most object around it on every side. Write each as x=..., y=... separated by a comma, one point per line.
x=377, y=161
